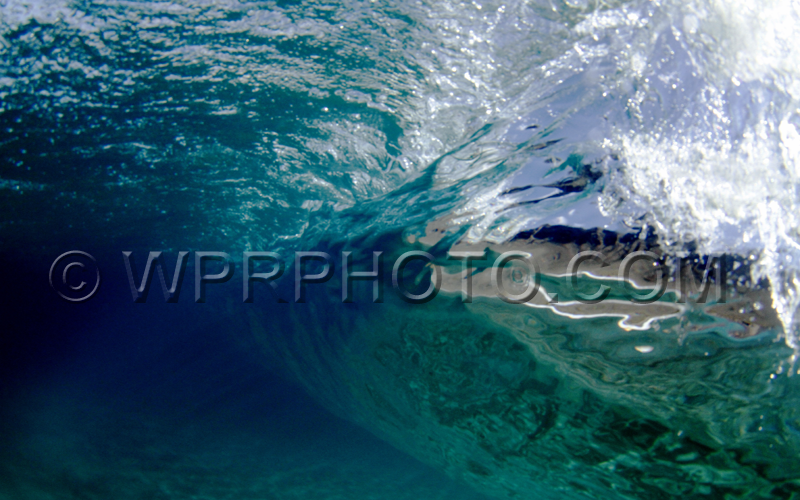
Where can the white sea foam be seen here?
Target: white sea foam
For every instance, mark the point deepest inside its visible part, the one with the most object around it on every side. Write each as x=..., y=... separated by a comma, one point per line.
x=711, y=154
x=699, y=100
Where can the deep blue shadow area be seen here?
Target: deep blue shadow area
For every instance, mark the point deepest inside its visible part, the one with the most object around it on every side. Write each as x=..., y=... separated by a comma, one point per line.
x=111, y=399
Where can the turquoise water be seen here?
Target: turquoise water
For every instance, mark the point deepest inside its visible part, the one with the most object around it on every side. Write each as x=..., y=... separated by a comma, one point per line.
x=543, y=127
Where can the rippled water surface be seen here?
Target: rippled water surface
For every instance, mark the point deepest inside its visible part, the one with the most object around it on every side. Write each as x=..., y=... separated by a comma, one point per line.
x=547, y=127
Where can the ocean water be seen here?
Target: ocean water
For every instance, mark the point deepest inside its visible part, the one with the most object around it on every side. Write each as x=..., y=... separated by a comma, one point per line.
x=542, y=127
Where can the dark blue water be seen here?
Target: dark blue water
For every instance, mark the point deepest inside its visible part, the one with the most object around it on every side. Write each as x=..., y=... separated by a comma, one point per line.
x=112, y=399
